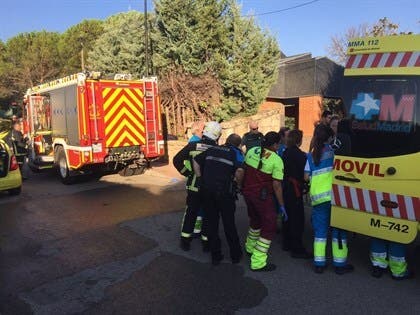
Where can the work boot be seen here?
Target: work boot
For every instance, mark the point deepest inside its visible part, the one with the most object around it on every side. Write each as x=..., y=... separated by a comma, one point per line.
x=216, y=258
x=344, y=269
x=237, y=259
x=319, y=269
x=266, y=268
x=377, y=272
x=408, y=275
x=185, y=244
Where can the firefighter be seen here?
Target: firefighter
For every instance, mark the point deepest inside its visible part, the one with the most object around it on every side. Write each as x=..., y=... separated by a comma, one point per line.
x=262, y=183
x=318, y=169
x=211, y=134
x=197, y=133
x=379, y=250
x=294, y=163
x=218, y=168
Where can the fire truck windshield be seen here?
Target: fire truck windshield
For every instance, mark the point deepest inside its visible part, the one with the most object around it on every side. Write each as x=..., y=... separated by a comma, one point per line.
x=383, y=115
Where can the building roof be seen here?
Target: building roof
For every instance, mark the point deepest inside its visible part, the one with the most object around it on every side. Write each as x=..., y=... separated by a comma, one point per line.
x=302, y=74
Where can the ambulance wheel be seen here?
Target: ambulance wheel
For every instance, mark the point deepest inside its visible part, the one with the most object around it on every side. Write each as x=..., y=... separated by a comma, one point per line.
x=62, y=168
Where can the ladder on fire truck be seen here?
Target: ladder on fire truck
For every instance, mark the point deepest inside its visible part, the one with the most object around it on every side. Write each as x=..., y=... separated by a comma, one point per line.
x=150, y=113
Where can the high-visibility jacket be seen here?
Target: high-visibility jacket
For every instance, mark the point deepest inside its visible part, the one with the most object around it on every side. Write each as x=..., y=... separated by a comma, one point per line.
x=256, y=179
x=321, y=176
x=183, y=160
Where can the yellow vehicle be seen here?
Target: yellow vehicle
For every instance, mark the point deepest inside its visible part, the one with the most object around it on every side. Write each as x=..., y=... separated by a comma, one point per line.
x=376, y=190
x=10, y=177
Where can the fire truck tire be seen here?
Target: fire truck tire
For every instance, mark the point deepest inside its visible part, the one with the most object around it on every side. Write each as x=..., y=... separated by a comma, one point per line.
x=61, y=165
x=126, y=171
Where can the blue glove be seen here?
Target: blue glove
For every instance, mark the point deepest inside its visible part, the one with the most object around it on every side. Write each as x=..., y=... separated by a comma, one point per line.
x=282, y=210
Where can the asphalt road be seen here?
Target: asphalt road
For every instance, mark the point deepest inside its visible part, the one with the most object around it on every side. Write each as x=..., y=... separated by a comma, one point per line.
x=110, y=246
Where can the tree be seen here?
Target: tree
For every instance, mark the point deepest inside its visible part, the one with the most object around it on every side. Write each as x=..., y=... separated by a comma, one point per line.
x=211, y=45
x=30, y=59
x=121, y=46
x=338, y=46
x=79, y=37
x=250, y=66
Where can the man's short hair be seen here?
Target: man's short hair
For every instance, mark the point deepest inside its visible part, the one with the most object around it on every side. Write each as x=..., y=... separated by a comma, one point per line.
x=234, y=139
x=294, y=137
x=326, y=113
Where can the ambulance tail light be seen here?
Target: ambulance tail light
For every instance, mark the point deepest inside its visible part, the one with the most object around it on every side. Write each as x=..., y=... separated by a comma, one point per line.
x=13, y=164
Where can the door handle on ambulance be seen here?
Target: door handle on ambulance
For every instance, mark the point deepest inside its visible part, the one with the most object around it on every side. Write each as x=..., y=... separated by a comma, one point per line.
x=347, y=179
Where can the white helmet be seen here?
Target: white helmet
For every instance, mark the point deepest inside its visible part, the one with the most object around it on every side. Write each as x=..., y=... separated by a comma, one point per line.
x=212, y=130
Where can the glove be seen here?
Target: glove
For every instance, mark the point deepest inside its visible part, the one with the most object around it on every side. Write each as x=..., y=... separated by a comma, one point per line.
x=282, y=210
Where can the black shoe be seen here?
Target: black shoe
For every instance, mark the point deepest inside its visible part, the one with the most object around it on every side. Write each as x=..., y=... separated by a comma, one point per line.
x=408, y=275
x=206, y=246
x=237, y=260
x=268, y=267
x=301, y=255
x=319, y=269
x=216, y=259
x=377, y=272
x=185, y=244
x=344, y=269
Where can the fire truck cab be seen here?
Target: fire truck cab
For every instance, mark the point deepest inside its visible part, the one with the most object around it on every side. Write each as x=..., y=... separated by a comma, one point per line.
x=82, y=122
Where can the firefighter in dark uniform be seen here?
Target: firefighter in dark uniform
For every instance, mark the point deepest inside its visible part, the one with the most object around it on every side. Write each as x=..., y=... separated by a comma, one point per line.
x=219, y=170
x=211, y=134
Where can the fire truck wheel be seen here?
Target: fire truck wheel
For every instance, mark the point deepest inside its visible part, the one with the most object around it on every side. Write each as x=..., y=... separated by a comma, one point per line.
x=62, y=168
x=126, y=171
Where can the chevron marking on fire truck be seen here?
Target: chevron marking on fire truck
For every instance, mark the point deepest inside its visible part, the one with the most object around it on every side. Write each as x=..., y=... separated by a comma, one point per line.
x=381, y=203
x=123, y=110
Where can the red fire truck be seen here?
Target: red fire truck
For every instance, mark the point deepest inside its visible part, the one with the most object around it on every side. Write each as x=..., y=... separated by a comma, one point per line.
x=82, y=122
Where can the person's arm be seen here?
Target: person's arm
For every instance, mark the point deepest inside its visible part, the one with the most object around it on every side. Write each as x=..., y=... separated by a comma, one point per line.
x=198, y=163
x=278, y=191
x=180, y=157
x=307, y=171
x=196, y=168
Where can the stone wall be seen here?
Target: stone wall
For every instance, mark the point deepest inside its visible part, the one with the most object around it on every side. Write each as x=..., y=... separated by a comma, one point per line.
x=268, y=120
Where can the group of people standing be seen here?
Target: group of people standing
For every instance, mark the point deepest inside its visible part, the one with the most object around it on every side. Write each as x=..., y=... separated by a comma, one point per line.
x=273, y=174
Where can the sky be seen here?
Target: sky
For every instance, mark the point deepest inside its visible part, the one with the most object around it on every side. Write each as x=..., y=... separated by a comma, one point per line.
x=307, y=28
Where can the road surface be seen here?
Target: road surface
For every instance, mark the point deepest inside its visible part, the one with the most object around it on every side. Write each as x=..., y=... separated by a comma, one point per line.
x=110, y=246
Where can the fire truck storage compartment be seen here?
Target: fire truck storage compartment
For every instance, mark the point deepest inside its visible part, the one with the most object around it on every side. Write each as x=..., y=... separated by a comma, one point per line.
x=65, y=114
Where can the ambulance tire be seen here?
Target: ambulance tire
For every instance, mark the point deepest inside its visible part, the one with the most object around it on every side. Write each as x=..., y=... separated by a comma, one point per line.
x=61, y=166
x=15, y=191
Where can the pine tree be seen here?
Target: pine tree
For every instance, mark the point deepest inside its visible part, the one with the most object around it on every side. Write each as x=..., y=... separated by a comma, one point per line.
x=121, y=47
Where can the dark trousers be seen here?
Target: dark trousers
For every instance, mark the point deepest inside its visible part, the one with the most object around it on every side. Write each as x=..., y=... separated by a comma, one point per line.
x=194, y=204
x=294, y=226
x=221, y=205
x=262, y=215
